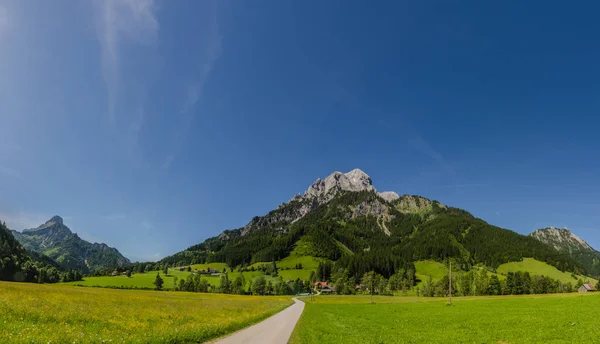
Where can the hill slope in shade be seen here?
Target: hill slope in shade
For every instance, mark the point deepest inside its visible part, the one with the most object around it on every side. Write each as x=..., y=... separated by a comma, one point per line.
x=566, y=242
x=344, y=219
x=55, y=240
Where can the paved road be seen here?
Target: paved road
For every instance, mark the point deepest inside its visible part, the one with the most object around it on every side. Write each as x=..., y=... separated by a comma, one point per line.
x=274, y=330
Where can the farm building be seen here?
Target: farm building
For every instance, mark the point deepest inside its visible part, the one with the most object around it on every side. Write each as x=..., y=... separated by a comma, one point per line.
x=586, y=288
x=328, y=290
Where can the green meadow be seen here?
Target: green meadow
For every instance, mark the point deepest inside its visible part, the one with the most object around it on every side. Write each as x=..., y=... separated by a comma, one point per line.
x=42, y=313
x=286, y=266
x=560, y=318
x=535, y=267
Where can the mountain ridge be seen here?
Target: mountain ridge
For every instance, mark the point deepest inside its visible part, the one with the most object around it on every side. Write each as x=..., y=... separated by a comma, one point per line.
x=377, y=232
x=55, y=240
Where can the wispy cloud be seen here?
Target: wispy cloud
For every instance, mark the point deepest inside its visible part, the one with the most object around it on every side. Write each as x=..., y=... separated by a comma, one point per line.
x=114, y=217
x=194, y=89
x=23, y=220
x=4, y=21
x=147, y=225
x=422, y=146
x=122, y=21
x=10, y=172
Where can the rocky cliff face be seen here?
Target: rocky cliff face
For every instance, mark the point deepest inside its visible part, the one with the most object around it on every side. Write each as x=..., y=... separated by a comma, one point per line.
x=318, y=193
x=325, y=190
x=55, y=239
x=561, y=239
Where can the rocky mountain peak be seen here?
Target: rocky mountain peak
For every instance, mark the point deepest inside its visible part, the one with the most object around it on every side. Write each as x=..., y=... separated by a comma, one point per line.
x=355, y=180
x=54, y=220
x=561, y=239
x=388, y=195
x=54, y=225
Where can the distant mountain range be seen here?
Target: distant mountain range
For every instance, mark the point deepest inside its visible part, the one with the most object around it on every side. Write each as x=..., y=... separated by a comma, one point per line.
x=344, y=219
x=55, y=240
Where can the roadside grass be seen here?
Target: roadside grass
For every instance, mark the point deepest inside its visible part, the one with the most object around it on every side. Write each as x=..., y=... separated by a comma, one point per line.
x=555, y=318
x=33, y=313
x=536, y=267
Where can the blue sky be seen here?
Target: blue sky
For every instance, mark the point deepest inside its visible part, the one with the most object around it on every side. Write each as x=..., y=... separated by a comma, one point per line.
x=152, y=125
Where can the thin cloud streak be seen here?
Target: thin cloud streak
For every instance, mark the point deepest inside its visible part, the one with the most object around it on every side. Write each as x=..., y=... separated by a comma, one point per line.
x=23, y=220
x=4, y=20
x=422, y=146
x=122, y=20
x=7, y=171
x=195, y=89
x=114, y=217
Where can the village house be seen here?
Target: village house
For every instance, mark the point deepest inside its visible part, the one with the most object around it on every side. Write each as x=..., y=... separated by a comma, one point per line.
x=210, y=271
x=319, y=284
x=586, y=288
x=328, y=289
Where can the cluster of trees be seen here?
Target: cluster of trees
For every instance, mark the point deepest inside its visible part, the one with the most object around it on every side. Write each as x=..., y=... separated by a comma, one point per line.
x=373, y=282
x=238, y=285
x=482, y=283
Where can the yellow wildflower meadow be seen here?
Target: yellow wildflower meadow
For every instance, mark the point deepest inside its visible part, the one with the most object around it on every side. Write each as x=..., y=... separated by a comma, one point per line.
x=33, y=313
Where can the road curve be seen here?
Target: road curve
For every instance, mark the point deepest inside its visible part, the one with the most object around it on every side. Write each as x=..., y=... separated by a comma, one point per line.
x=274, y=330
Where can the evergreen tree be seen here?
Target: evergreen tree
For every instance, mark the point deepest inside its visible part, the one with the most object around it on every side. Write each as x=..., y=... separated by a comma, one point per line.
x=495, y=287
x=259, y=285
x=158, y=282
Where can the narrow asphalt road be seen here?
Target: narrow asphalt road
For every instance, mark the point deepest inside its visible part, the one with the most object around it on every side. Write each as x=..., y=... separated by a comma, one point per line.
x=274, y=330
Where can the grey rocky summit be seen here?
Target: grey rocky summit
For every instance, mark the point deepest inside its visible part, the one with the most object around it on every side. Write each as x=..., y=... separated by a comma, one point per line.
x=388, y=195
x=318, y=193
x=561, y=239
x=325, y=190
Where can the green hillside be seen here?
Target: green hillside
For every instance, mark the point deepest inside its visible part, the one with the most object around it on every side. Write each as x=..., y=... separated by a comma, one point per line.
x=535, y=267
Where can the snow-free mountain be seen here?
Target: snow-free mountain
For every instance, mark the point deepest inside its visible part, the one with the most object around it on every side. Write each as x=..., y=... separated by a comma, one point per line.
x=566, y=242
x=55, y=240
x=344, y=219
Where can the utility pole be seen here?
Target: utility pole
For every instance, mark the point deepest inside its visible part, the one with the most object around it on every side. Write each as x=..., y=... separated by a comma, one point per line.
x=450, y=284
x=372, y=287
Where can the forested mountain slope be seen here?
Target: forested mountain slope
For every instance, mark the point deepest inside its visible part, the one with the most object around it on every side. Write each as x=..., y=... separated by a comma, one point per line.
x=344, y=219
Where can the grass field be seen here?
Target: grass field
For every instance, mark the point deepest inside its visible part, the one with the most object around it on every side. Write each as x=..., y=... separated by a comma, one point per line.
x=144, y=281
x=536, y=267
x=33, y=313
x=562, y=318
